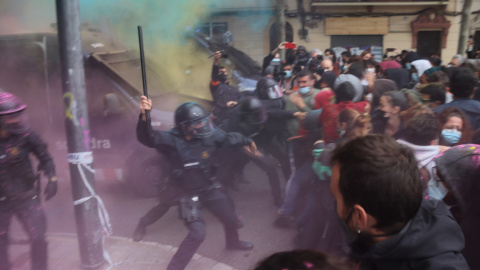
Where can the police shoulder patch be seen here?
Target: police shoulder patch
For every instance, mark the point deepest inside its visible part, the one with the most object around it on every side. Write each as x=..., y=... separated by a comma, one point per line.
x=13, y=151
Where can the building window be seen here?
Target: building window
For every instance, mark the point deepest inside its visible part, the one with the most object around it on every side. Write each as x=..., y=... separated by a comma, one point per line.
x=214, y=31
x=356, y=44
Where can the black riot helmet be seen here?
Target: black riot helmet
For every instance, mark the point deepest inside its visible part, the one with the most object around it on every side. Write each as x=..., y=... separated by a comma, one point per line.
x=11, y=113
x=267, y=88
x=193, y=120
x=253, y=111
x=302, y=51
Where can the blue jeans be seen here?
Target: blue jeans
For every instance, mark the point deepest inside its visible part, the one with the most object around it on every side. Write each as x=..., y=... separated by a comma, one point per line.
x=296, y=186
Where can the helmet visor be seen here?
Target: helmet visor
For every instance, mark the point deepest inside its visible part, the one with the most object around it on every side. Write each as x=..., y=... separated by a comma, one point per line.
x=15, y=123
x=199, y=128
x=274, y=92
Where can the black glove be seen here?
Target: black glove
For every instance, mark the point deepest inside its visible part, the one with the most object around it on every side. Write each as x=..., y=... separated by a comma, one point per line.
x=50, y=190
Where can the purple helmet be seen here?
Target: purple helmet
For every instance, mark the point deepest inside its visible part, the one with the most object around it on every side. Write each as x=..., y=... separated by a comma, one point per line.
x=9, y=103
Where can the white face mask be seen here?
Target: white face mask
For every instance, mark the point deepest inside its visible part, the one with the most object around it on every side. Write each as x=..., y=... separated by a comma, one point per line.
x=436, y=190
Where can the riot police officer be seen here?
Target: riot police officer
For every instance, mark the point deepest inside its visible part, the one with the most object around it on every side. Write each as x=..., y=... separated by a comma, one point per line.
x=193, y=145
x=250, y=120
x=271, y=95
x=18, y=195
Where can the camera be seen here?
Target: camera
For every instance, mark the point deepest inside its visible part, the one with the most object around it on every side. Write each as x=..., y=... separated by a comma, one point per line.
x=316, y=67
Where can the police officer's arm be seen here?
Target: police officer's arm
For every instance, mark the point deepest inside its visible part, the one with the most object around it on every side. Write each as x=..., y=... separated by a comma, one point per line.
x=215, y=68
x=145, y=133
x=232, y=139
x=39, y=149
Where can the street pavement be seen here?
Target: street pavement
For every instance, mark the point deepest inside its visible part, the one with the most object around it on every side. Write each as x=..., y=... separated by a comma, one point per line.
x=254, y=205
x=123, y=253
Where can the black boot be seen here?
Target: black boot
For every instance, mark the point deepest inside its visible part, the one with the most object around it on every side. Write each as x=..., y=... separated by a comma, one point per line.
x=140, y=232
x=240, y=245
x=284, y=222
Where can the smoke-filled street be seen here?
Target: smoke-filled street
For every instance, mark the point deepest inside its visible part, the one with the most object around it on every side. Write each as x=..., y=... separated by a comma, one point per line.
x=253, y=202
x=239, y=135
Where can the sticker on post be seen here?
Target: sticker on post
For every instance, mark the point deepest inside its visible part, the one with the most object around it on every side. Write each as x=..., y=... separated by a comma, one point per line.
x=82, y=157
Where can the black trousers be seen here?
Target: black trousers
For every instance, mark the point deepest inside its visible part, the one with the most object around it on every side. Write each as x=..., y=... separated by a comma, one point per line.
x=277, y=151
x=30, y=214
x=214, y=200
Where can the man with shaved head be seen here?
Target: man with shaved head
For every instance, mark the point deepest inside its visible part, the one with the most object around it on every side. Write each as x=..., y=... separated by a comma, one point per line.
x=327, y=65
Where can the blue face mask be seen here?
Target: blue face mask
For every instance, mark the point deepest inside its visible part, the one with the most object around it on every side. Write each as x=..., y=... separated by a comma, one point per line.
x=408, y=66
x=288, y=74
x=451, y=136
x=304, y=90
x=436, y=190
x=415, y=77
x=276, y=62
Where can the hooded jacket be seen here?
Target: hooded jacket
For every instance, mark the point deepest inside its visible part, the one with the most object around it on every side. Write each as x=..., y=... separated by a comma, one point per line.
x=430, y=240
x=459, y=167
x=423, y=153
x=357, y=85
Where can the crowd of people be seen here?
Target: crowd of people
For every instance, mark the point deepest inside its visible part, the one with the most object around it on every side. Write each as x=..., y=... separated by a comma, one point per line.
x=381, y=159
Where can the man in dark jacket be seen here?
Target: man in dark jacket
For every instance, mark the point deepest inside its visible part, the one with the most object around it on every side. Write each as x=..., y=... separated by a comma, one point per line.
x=225, y=96
x=463, y=84
x=377, y=187
x=459, y=169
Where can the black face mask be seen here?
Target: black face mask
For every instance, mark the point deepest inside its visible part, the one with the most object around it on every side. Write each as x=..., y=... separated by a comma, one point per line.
x=348, y=235
x=222, y=77
x=362, y=239
x=16, y=127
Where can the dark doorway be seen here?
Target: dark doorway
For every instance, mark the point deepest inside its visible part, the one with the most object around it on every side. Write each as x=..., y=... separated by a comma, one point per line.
x=273, y=35
x=429, y=43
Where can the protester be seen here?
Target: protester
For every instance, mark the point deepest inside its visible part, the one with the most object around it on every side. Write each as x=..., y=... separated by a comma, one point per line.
x=462, y=85
x=392, y=103
x=421, y=135
x=379, y=195
x=457, y=60
x=457, y=171
x=354, y=76
x=454, y=127
x=302, y=260
x=433, y=95
x=400, y=76
x=273, y=58
x=287, y=82
x=301, y=101
x=318, y=223
x=225, y=96
x=344, y=100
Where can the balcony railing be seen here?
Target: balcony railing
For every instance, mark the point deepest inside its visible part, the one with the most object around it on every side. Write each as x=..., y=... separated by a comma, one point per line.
x=378, y=2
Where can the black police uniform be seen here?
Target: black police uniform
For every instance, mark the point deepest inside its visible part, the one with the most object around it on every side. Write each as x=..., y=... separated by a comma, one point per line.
x=263, y=139
x=191, y=182
x=18, y=196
